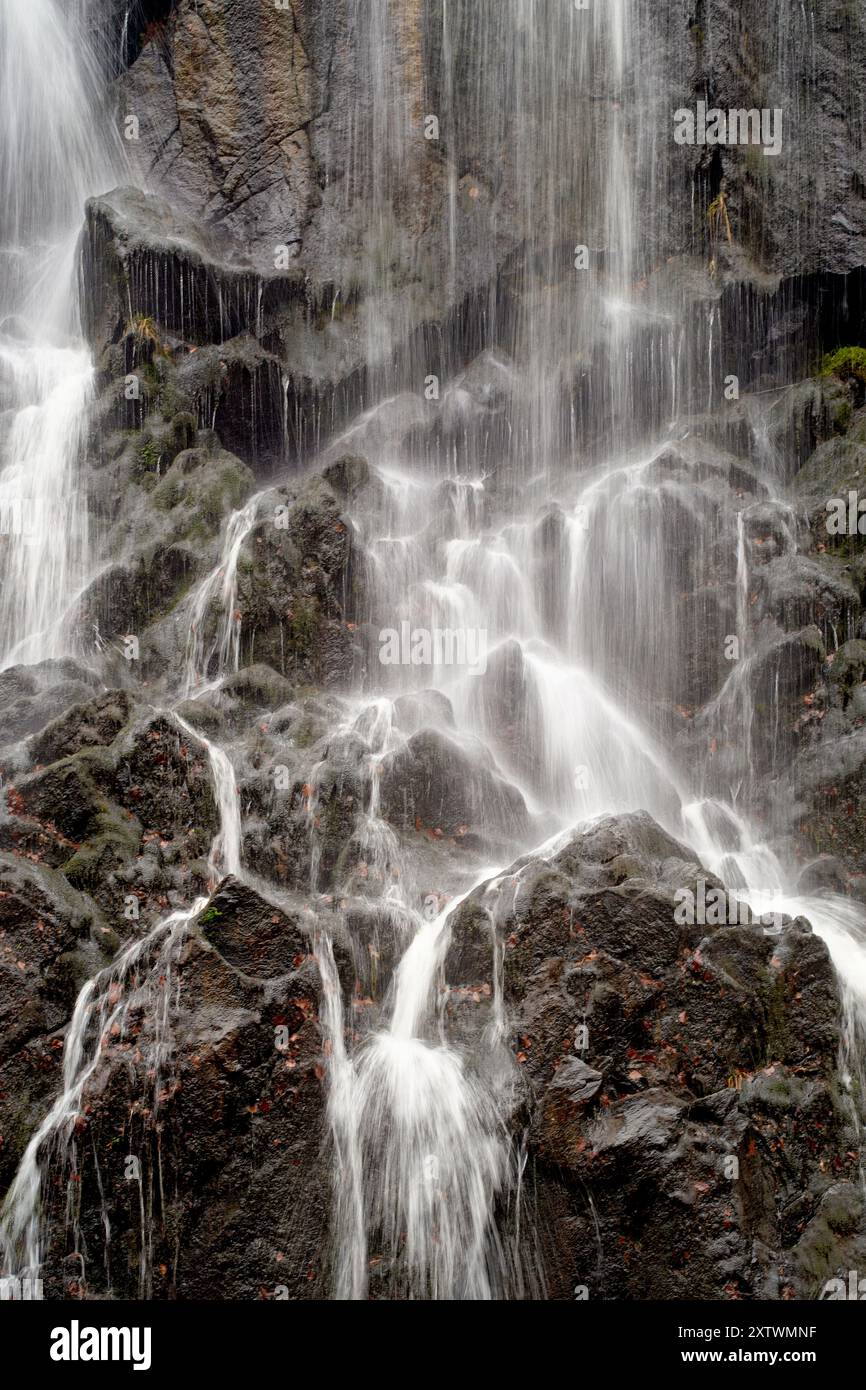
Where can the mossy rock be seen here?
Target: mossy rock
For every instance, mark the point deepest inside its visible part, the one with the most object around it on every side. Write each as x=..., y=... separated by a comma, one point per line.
x=111, y=844
x=93, y=723
x=69, y=793
x=849, y=666
x=845, y=362
x=204, y=488
x=259, y=686
x=347, y=476
x=842, y=1208
x=204, y=717
x=823, y=1248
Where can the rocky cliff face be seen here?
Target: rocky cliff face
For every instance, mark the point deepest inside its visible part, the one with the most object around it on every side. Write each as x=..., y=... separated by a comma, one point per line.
x=680, y=1083
x=282, y=253
x=246, y=119
x=329, y=246
x=214, y=1185
x=675, y=1087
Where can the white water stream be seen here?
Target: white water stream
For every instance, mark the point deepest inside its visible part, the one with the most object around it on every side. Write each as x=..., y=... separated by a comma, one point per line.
x=142, y=975
x=579, y=636
x=57, y=149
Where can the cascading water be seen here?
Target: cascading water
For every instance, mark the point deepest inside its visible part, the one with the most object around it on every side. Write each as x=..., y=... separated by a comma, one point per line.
x=581, y=629
x=141, y=976
x=220, y=589
x=57, y=150
x=564, y=564
x=422, y=1150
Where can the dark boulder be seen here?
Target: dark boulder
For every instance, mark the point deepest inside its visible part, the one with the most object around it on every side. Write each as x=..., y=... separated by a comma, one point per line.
x=227, y=1154
x=30, y=696
x=435, y=783
x=685, y=1123
x=296, y=589
x=50, y=938
x=95, y=723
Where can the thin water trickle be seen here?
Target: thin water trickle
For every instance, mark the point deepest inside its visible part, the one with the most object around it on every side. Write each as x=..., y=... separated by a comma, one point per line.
x=141, y=975
x=218, y=656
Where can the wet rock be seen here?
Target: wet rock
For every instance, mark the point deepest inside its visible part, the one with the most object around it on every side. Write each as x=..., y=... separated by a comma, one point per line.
x=95, y=723
x=704, y=618
x=436, y=784
x=165, y=780
x=130, y=823
x=124, y=599
x=824, y=874
x=837, y=467
x=163, y=537
x=771, y=692
x=42, y=921
x=243, y=1206
x=248, y=158
x=257, y=687
x=377, y=934
x=277, y=834
x=239, y=387
x=347, y=476
x=204, y=717
x=415, y=711
x=47, y=949
x=69, y=794
x=298, y=818
x=296, y=590
x=177, y=305
x=199, y=490
x=818, y=798
x=848, y=669
x=30, y=696
x=253, y=940
x=822, y=799
x=787, y=671
x=306, y=721
x=143, y=258
x=678, y=1078
x=799, y=591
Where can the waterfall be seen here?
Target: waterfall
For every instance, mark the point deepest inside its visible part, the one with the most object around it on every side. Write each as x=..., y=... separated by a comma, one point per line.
x=422, y=1154
x=219, y=589
x=580, y=640
x=57, y=150
x=142, y=974
x=559, y=516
